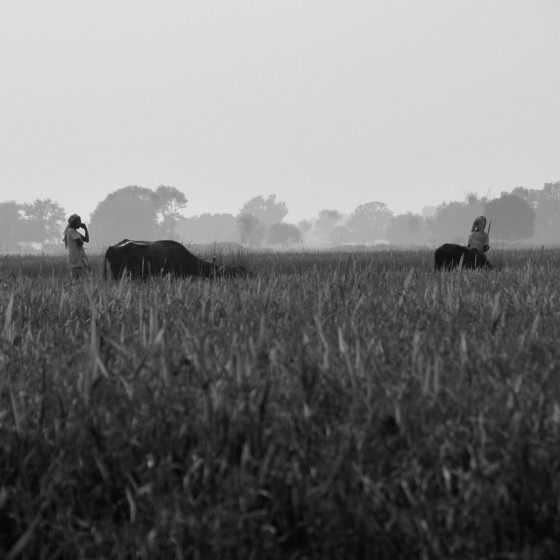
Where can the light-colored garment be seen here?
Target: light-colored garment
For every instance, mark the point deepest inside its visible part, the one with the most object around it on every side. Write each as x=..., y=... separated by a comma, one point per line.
x=76, y=254
x=478, y=240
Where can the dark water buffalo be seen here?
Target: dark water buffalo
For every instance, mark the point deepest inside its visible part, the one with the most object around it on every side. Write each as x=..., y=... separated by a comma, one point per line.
x=142, y=259
x=450, y=255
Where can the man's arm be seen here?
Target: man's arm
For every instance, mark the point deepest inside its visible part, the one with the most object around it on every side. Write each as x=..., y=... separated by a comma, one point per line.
x=86, y=236
x=77, y=236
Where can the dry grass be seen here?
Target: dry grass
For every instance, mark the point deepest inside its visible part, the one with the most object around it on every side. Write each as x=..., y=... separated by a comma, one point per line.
x=332, y=405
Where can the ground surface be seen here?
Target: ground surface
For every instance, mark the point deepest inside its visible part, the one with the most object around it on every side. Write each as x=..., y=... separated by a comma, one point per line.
x=330, y=405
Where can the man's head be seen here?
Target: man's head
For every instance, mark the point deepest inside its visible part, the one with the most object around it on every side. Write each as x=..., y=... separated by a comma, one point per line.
x=479, y=224
x=74, y=221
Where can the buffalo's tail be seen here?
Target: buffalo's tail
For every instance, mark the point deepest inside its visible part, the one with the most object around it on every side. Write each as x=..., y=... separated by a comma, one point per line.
x=438, y=259
x=105, y=265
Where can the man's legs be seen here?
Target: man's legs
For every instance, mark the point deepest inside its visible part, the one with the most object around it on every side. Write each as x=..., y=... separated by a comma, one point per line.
x=76, y=272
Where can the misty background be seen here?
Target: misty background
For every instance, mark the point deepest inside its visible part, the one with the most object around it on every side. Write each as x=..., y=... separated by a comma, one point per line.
x=520, y=216
x=327, y=104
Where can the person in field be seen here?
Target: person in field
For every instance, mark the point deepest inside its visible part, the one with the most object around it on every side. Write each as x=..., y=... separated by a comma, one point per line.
x=74, y=243
x=478, y=238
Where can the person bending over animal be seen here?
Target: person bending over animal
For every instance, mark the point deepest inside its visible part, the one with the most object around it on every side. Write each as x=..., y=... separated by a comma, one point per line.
x=74, y=242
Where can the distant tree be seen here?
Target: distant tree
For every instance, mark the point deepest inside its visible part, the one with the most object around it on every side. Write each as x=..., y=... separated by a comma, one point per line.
x=209, y=228
x=512, y=217
x=326, y=221
x=41, y=221
x=428, y=211
x=406, y=229
x=368, y=221
x=546, y=204
x=284, y=234
x=324, y=224
x=304, y=226
x=9, y=219
x=170, y=201
x=127, y=213
x=548, y=214
x=452, y=221
x=267, y=210
x=251, y=229
x=339, y=235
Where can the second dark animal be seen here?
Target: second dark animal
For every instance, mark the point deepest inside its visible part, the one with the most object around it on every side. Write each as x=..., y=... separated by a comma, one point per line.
x=450, y=255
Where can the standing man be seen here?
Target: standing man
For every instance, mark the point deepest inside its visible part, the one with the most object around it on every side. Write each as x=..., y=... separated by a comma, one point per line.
x=478, y=238
x=74, y=242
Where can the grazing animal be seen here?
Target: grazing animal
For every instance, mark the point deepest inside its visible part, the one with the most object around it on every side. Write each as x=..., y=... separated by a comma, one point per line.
x=142, y=259
x=450, y=255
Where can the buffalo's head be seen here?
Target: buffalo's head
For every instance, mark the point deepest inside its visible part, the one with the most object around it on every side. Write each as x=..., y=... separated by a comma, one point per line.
x=229, y=271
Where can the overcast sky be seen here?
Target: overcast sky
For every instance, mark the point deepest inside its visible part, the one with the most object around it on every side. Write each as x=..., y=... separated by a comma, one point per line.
x=326, y=104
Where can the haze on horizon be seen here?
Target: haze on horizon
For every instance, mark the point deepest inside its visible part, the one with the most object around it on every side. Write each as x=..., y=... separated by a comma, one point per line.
x=325, y=104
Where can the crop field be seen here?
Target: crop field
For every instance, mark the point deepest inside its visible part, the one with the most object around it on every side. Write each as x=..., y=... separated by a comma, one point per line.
x=342, y=405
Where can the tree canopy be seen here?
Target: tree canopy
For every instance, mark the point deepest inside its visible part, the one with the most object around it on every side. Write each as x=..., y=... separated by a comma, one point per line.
x=267, y=210
x=368, y=221
x=512, y=217
x=39, y=221
x=9, y=218
x=406, y=229
x=251, y=228
x=546, y=204
x=170, y=201
x=135, y=212
x=257, y=216
x=209, y=228
x=284, y=234
x=453, y=220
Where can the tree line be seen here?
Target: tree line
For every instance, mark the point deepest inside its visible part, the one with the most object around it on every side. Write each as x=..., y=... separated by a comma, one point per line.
x=526, y=215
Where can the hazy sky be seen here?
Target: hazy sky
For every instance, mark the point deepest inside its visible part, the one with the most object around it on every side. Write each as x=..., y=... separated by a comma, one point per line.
x=327, y=104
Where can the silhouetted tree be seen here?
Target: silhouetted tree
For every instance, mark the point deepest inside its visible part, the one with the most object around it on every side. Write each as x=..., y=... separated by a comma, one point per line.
x=428, y=211
x=170, y=201
x=41, y=220
x=251, y=228
x=9, y=218
x=512, y=217
x=324, y=224
x=339, y=235
x=546, y=204
x=267, y=210
x=326, y=221
x=452, y=221
x=284, y=234
x=368, y=221
x=532, y=196
x=304, y=226
x=127, y=213
x=209, y=228
x=406, y=229
x=548, y=214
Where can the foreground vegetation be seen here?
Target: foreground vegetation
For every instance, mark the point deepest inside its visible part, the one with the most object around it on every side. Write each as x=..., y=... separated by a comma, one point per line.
x=332, y=405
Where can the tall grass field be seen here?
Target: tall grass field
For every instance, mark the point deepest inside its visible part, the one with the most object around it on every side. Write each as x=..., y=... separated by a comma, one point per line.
x=342, y=405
